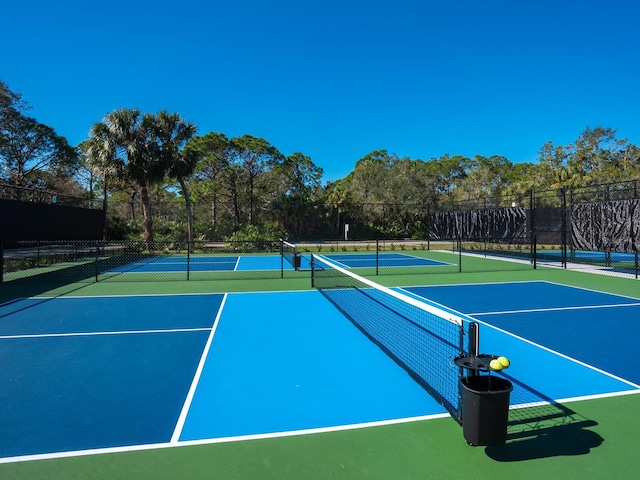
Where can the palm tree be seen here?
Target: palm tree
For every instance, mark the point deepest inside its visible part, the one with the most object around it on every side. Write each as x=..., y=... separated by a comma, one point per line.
x=102, y=156
x=131, y=133
x=172, y=132
x=339, y=197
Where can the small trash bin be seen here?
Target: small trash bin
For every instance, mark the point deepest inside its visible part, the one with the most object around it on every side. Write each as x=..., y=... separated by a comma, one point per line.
x=296, y=261
x=485, y=409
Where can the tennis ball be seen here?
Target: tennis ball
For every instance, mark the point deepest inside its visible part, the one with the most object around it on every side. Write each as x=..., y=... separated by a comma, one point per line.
x=504, y=361
x=495, y=364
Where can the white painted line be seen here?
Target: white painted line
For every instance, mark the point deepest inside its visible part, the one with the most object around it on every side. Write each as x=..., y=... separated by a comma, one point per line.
x=562, y=401
x=557, y=309
x=591, y=367
x=196, y=379
x=211, y=441
x=91, y=334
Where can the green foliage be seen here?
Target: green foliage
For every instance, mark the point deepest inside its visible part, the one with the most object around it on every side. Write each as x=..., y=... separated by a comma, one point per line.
x=121, y=229
x=32, y=154
x=253, y=232
x=244, y=188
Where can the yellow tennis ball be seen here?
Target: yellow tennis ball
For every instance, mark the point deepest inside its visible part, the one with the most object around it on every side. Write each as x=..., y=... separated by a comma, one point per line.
x=495, y=364
x=504, y=361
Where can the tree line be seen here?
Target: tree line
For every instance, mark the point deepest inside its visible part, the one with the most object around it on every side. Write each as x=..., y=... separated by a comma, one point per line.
x=219, y=187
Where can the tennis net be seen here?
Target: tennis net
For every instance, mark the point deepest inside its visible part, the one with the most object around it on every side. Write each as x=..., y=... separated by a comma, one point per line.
x=421, y=338
x=289, y=252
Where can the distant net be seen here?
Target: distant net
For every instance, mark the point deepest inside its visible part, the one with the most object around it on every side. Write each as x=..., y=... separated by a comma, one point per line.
x=421, y=338
x=289, y=253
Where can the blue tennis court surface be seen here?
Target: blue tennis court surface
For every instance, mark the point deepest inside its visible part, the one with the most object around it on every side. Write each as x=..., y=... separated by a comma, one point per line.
x=167, y=264
x=585, y=325
x=209, y=263
x=84, y=373
x=294, y=368
x=358, y=260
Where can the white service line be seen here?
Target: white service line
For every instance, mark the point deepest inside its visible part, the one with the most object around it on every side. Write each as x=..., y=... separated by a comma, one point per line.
x=557, y=309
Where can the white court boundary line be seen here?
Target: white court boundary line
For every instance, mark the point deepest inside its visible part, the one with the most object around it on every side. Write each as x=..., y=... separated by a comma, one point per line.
x=212, y=441
x=115, y=332
x=267, y=436
x=196, y=378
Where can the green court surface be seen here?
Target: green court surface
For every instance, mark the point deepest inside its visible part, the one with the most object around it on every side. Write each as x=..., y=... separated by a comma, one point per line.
x=601, y=442
x=427, y=449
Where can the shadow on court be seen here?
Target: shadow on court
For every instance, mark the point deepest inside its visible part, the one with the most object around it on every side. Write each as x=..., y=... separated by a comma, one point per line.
x=540, y=427
x=83, y=273
x=562, y=440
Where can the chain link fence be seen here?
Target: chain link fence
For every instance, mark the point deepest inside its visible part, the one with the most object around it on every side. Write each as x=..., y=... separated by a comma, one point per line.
x=130, y=261
x=594, y=228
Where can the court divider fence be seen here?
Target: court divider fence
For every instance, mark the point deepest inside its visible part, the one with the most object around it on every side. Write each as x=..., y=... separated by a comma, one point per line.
x=126, y=261
x=122, y=261
x=593, y=229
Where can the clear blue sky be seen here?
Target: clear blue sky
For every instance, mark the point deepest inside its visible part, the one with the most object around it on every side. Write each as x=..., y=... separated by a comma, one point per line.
x=336, y=79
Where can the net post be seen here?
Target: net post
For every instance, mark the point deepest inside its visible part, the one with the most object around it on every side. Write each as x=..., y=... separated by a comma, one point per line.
x=377, y=255
x=313, y=283
x=281, y=258
x=474, y=343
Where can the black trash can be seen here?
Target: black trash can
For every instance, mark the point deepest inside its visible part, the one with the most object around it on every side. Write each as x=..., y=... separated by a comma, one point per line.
x=485, y=409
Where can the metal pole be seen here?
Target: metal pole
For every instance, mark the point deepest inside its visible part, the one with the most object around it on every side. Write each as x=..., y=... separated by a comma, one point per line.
x=429, y=227
x=2, y=260
x=188, y=260
x=563, y=234
x=532, y=232
x=281, y=258
x=97, y=269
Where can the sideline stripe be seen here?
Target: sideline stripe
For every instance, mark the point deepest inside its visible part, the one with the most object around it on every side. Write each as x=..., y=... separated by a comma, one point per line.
x=211, y=441
x=196, y=379
x=91, y=334
x=266, y=436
